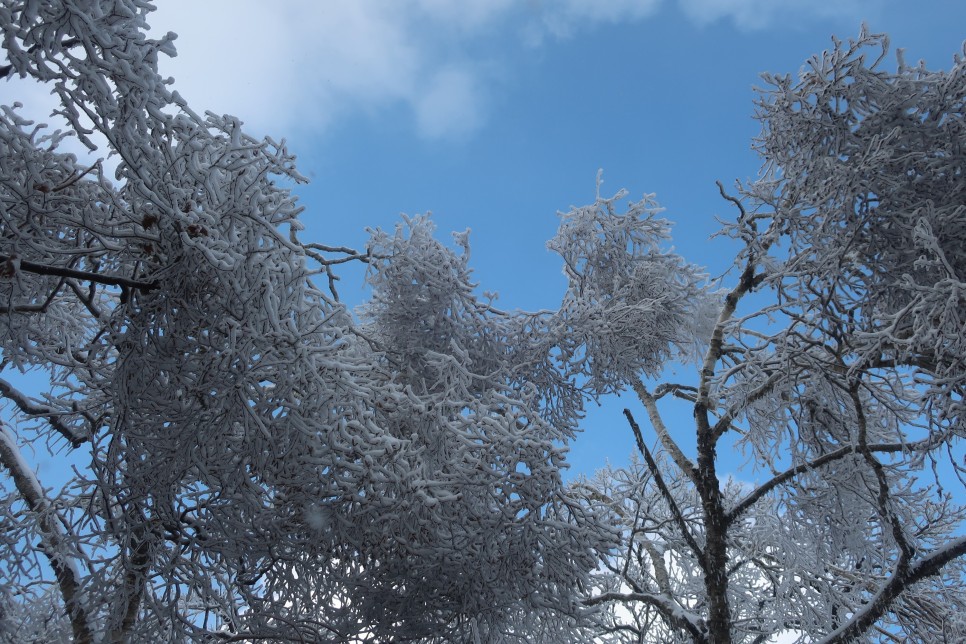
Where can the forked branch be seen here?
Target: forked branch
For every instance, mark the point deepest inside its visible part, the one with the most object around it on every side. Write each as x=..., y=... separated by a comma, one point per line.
x=665, y=492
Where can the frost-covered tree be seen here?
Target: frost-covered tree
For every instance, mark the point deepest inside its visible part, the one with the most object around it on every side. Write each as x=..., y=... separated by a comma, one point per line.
x=250, y=460
x=836, y=366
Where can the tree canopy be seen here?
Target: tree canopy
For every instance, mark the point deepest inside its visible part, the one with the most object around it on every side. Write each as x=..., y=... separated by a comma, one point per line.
x=841, y=378
x=253, y=461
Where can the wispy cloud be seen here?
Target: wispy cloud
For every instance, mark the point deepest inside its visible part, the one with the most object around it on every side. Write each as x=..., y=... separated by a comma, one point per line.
x=450, y=105
x=301, y=66
x=292, y=66
x=562, y=18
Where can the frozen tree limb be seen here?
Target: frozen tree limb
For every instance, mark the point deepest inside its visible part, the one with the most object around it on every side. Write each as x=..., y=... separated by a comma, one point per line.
x=657, y=422
x=750, y=499
x=30, y=408
x=675, y=615
x=87, y=276
x=55, y=543
x=843, y=376
x=665, y=492
x=898, y=583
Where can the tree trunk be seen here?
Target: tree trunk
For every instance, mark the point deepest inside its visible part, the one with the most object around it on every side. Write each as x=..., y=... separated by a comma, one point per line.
x=716, y=530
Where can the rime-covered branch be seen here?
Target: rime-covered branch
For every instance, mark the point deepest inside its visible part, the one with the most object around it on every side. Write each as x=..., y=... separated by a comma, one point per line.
x=665, y=492
x=657, y=422
x=675, y=615
x=28, y=407
x=56, y=545
x=843, y=376
x=760, y=491
x=915, y=572
x=17, y=263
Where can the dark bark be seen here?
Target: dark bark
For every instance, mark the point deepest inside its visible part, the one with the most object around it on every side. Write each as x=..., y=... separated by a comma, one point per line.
x=900, y=581
x=87, y=276
x=716, y=534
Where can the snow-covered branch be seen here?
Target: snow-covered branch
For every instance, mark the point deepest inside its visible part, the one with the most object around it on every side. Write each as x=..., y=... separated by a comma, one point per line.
x=56, y=544
x=31, y=408
x=674, y=614
x=842, y=375
x=898, y=583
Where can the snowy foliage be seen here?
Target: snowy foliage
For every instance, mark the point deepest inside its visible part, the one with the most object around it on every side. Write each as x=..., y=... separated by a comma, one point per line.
x=251, y=461
x=621, y=282
x=473, y=509
x=841, y=379
x=864, y=172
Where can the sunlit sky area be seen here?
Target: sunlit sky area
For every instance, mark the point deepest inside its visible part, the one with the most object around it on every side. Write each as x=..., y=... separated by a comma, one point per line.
x=495, y=114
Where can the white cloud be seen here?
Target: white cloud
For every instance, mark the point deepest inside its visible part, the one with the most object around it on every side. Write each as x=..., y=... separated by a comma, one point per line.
x=300, y=66
x=450, y=106
x=284, y=68
x=297, y=66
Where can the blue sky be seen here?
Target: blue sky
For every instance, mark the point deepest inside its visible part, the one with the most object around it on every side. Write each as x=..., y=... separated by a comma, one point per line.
x=495, y=114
